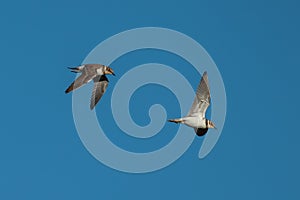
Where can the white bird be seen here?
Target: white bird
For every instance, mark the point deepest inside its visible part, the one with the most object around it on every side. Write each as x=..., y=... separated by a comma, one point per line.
x=196, y=116
x=95, y=72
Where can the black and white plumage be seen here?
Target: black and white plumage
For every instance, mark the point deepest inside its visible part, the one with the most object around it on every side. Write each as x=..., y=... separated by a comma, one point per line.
x=196, y=116
x=95, y=72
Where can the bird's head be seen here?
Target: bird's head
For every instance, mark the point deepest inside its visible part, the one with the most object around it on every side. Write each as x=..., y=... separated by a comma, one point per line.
x=108, y=70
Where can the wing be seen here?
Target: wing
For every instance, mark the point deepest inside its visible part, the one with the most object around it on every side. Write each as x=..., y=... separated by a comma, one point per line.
x=92, y=68
x=100, y=85
x=84, y=78
x=200, y=131
x=202, y=99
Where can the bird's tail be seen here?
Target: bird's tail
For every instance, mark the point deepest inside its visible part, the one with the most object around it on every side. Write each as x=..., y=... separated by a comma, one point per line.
x=76, y=69
x=180, y=120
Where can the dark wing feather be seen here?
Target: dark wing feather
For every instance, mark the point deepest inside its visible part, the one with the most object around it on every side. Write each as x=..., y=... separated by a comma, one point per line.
x=100, y=85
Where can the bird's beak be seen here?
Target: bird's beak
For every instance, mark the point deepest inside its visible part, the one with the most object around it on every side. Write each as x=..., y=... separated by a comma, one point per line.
x=113, y=73
x=216, y=129
x=214, y=126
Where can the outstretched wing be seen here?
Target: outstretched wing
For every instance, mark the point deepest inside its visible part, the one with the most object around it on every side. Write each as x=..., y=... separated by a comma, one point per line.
x=86, y=76
x=202, y=99
x=100, y=85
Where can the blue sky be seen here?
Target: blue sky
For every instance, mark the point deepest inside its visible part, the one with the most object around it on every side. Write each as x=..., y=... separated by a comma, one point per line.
x=255, y=45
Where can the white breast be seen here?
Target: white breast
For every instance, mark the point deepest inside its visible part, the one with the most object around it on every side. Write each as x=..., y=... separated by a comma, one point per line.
x=194, y=121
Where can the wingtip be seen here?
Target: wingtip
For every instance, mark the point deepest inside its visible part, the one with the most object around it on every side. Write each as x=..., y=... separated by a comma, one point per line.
x=92, y=107
x=68, y=90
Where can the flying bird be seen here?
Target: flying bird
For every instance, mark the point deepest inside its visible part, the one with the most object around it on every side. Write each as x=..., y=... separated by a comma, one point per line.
x=196, y=116
x=95, y=72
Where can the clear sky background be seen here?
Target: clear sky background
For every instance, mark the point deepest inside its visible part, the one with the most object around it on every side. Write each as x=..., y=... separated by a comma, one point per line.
x=255, y=45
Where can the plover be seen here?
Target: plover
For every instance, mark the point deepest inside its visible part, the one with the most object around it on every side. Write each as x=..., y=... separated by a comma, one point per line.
x=95, y=72
x=196, y=116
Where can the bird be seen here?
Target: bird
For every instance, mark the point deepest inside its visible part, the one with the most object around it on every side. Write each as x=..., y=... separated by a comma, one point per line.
x=196, y=116
x=95, y=72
